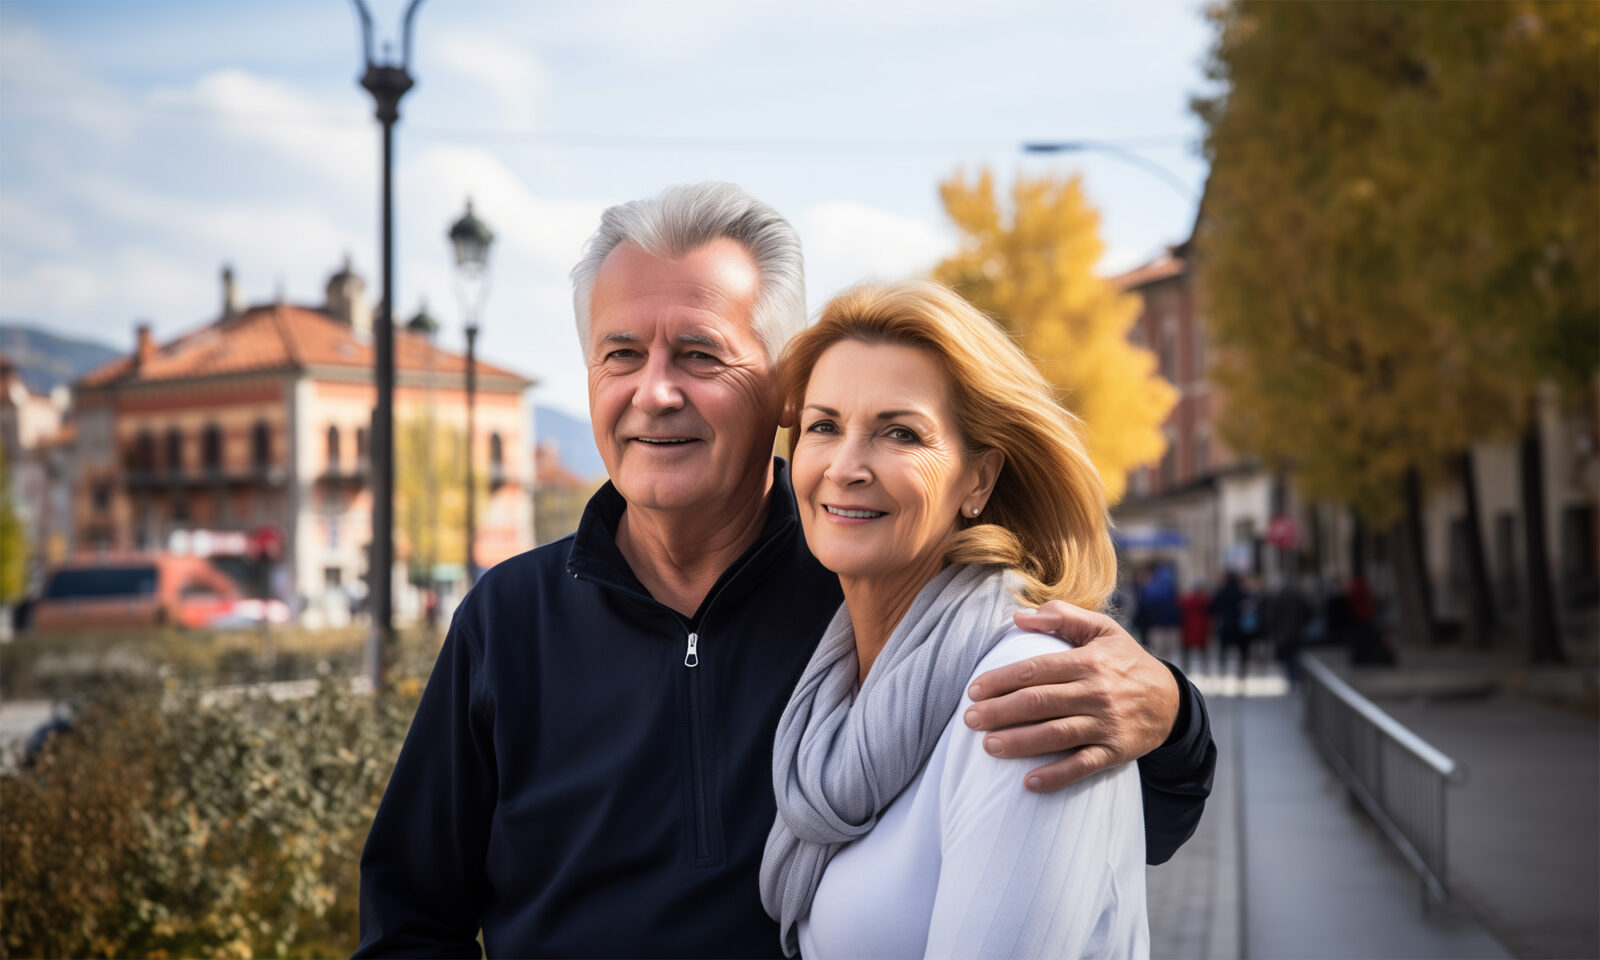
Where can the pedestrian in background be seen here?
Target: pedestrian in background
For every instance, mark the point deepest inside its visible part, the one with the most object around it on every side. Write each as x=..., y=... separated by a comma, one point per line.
x=1291, y=615
x=1227, y=611
x=1195, y=610
x=1159, y=601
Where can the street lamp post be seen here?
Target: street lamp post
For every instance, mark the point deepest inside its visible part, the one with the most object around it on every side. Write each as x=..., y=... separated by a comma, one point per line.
x=471, y=239
x=387, y=82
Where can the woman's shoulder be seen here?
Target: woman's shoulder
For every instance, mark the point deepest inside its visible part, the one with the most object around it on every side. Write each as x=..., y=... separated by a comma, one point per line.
x=1018, y=644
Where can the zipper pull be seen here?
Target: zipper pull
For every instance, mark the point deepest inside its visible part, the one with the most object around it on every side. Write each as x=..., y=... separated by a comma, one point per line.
x=692, y=659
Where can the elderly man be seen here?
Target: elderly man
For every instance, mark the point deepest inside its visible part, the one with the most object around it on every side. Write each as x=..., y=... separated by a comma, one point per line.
x=588, y=773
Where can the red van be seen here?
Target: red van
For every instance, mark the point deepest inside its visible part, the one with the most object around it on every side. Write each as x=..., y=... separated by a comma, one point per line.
x=133, y=591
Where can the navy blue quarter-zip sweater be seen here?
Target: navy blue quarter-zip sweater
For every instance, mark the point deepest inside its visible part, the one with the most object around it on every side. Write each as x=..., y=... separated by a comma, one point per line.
x=589, y=771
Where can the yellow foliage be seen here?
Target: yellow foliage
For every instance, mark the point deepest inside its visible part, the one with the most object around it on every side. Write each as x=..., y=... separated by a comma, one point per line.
x=1399, y=229
x=431, y=493
x=1030, y=265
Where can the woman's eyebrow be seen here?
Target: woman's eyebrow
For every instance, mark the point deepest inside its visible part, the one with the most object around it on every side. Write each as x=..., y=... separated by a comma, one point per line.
x=885, y=415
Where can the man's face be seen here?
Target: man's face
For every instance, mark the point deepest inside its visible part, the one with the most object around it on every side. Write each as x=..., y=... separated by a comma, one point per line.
x=680, y=390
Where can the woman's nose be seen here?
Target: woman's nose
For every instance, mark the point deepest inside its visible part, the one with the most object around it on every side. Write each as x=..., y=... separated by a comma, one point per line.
x=848, y=465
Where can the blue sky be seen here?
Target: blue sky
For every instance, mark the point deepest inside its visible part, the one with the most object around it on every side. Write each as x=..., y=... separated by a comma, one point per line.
x=144, y=143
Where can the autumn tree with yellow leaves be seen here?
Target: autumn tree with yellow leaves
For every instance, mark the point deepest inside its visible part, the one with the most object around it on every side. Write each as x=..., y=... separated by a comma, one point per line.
x=431, y=494
x=1030, y=264
x=1398, y=247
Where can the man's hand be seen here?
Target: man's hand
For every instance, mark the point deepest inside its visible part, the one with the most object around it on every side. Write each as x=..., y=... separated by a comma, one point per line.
x=1107, y=700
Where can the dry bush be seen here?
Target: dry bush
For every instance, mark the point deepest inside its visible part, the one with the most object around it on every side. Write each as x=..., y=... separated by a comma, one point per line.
x=159, y=828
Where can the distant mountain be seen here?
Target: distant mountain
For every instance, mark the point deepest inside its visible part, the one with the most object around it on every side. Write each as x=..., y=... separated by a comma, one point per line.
x=45, y=359
x=574, y=438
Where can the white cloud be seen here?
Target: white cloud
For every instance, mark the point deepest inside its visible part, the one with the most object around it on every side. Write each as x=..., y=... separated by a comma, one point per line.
x=41, y=77
x=296, y=125
x=514, y=80
x=847, y=242
x=25, y=216
x=526, y=225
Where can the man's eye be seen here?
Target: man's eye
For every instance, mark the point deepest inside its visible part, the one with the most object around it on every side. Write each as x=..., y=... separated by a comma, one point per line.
x=700, y=355
x=622, y=354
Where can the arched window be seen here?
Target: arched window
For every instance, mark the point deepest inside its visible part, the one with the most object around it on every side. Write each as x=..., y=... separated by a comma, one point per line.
x=144, y=453
x=362, y=452
x=497, y=462
x=211, y=448
x=174, y=451
x=261, y=445
x=333, y=449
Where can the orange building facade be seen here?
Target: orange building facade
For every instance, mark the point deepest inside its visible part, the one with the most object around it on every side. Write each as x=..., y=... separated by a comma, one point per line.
x=260, y=420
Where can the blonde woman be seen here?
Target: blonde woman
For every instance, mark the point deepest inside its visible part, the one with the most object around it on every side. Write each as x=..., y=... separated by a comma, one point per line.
x=936, y=475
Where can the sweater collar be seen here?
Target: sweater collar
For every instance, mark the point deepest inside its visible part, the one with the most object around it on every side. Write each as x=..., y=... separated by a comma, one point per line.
x=594, y=555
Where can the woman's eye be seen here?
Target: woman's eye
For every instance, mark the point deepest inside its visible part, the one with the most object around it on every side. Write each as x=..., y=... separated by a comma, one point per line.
x=821, y=426
x=903, y=435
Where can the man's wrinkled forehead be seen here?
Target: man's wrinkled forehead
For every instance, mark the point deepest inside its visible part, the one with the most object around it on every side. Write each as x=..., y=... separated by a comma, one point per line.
x=715, y=284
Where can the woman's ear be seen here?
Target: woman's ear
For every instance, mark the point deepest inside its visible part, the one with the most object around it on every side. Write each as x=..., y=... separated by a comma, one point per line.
x=986, y=471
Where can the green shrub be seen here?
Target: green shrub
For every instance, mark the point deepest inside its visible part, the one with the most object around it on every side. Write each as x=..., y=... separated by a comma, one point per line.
x=163, y=828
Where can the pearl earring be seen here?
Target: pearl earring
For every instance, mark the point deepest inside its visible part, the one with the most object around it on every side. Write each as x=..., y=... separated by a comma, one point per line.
x=974, y=511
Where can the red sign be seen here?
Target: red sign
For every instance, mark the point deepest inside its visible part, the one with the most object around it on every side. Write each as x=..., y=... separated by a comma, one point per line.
x=265, y=543
x=1283, y=532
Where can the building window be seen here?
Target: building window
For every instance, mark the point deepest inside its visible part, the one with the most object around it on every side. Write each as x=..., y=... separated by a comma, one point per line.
x=361, y=447
x=1202, y=452
x=174, y=451
x=180, y=509
x=211, y=448
x=1169, y=463
x=100, y=495
x=497, y=462
x=261, y=446
x=333, y=449
x=1169, y=349
x=142, y=458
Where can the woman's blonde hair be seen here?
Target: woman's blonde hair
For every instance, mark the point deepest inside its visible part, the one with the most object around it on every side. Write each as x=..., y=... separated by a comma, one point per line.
x=1047, y=516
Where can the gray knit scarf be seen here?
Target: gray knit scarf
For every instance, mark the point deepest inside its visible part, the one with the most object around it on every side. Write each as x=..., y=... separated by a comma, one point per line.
x=840, y=759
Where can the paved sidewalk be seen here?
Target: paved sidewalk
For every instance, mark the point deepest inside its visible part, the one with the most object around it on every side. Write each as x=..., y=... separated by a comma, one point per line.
x=1283, y=863
x=1320, y=880
x=1525, y=827
x=1194, y=898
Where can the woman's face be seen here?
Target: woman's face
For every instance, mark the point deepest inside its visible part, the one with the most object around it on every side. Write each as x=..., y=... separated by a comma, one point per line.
x=879, y=471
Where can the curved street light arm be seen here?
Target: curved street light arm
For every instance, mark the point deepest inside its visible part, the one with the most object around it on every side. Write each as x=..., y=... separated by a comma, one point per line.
x=366, y=29
x=405, y=37
x=1120, y=153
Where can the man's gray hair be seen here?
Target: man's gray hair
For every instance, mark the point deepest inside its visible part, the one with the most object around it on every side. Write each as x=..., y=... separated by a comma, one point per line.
x=688, y=216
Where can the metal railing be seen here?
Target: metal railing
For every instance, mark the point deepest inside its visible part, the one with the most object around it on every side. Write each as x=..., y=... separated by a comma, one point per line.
x=1397, y=776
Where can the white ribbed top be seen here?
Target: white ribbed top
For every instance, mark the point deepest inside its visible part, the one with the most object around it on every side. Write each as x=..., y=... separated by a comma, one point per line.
x=966, y=863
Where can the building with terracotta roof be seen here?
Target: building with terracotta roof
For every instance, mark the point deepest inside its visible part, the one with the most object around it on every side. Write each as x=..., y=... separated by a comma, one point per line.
x=260, y=419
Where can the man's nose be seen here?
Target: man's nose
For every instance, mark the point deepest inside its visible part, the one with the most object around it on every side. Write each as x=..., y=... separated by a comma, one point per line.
x=658, y=390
